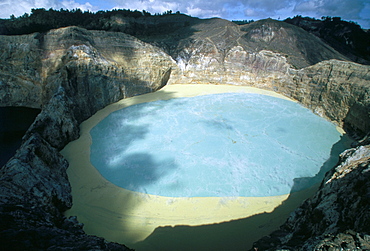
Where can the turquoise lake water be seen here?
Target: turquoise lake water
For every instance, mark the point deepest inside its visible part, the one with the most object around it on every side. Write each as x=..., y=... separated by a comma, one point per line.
x=219, y=145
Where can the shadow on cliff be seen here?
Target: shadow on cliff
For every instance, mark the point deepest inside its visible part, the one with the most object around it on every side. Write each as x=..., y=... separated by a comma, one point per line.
x=14, y=122
x=242, y=233
x=358, y=114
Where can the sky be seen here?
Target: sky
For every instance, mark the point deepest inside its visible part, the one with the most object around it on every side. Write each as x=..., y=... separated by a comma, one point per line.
x=350, y=10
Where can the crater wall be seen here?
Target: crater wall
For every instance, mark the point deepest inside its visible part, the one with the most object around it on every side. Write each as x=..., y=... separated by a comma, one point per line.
x=71, y=73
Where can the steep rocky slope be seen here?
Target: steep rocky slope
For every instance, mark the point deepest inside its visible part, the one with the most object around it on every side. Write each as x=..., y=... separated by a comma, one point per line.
x=71, y=73
x=216, y=37
x=74, y=75
x=346, y=37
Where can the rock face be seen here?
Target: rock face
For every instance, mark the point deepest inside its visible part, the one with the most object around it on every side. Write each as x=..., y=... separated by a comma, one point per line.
x=254, y=54
x=20, y=80
x=76, y=75
x=71, y=73
x=336, y=90
x=336, y=217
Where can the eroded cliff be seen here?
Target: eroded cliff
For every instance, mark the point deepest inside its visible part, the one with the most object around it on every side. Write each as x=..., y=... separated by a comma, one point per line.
x=71, y=73
x=75, y=76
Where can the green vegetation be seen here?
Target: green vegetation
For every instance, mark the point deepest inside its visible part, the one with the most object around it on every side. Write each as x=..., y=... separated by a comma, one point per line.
x=168, y=28
x=241, y=22
x=128, y=21
x=346, y=37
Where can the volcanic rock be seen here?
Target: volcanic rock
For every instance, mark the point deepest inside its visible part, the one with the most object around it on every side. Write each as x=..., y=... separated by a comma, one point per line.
x=71, y=73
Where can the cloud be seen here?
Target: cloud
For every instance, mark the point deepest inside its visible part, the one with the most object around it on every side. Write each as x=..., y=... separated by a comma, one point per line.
x=152, y=6
x=254, y=9
x=8, y=7
x=205, y=9
x=345, y=9
x=269, y=6
x=194, y=8
x=73, y=5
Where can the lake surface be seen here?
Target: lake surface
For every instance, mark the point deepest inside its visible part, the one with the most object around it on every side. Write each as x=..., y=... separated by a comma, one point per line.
x=218, y=145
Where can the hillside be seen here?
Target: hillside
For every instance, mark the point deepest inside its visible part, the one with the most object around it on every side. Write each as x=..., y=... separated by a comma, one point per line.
x=346, y=37
x=71, y=73
x=169, y=29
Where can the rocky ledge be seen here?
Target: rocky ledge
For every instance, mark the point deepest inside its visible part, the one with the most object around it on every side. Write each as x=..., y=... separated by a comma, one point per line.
x=71, y=73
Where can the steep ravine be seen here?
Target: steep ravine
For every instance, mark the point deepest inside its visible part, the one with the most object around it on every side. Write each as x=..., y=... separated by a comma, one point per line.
x=73, y=74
